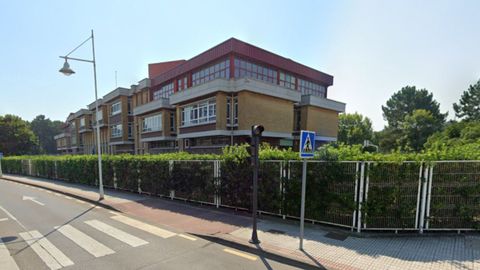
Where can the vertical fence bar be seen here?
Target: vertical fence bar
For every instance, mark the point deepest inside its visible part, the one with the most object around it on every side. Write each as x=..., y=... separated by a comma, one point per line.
x=418, y=195
x=139, y=181
x=429, y=195
x=360, y=197
x=56, y=169
x=115, y=181
x=367, y=181
x=355, y=196
x=30, y=167
x=423, y=199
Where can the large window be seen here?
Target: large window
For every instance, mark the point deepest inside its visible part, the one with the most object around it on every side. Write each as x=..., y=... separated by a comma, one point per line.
x=310, y=88
x=82, y=122
x=172, y=121
x=245, y=68
x=182, y=83
x=164, y=92
x=235, y=110
x=116, y=108
x=287, y=80
x=218, y=70
x=199, y=113
x=152, y=123
x=116, y=131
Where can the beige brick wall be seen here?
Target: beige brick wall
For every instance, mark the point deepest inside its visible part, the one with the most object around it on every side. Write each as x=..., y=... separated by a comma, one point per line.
x=221, y=104
x=275, y=114
x=322, y=121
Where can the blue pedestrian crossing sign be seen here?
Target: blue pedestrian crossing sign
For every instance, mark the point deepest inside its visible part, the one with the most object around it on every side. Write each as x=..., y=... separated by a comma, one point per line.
x=307, y=144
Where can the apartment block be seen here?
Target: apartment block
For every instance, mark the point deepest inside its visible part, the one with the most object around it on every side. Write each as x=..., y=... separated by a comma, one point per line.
x=211, y=100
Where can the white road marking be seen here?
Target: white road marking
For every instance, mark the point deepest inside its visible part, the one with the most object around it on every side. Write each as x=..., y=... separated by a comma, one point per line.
x=187, y=237
x=115, y=213
x=144, y=226
x=80, y=201
x=61, y=258
x=240, y=254
x=3, y=219
x=6, y=261
x=42, y=253
x=86, y=242
x=116, y=233
x=8, y=213
x=27, y=198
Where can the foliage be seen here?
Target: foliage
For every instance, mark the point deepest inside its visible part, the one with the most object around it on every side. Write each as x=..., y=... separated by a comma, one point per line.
x=16, y=136
x=45, y=129
x=407, y=100
x=455, y=134
x=354, y=128
x=416, y=129
x=469, y=104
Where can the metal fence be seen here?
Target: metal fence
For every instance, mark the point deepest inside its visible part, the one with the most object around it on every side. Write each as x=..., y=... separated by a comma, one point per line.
x=440, y=195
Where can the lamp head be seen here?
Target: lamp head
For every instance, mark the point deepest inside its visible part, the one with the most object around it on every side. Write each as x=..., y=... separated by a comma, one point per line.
x=257, y=130
x=66, y=70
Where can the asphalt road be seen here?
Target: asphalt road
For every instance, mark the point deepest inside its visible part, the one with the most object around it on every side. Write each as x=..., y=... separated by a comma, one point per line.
x=46, y=230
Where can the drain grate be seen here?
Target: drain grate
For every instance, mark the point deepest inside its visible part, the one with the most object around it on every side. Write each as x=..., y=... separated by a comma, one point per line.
x=336, y=236
x=276, y=231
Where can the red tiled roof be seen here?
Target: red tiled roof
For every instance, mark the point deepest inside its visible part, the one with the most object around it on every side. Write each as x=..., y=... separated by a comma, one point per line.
x=156, y=69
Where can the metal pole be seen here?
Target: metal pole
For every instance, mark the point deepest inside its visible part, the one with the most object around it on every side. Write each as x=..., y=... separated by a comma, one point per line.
x=99, y=150
x=1, y=173
x=302, y=208
x=254, y=239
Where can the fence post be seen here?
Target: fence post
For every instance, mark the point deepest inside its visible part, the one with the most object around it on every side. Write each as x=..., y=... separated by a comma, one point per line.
x=429, y=195
x=367, y=182
x=423, y=199
x=170, y=169
x=139, y=182
x=355, y=195
x=360, y=197
x=56, y=171
x=30, y=167
x=216, y=181
x=418, y=195
x=115, y=184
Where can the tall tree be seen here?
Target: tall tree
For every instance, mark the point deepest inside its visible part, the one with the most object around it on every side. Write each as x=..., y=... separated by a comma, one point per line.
x=46, y=129
x=469, y=104
x=16, y=136
x=354, y=128
x=416, y=128
x=408, y=99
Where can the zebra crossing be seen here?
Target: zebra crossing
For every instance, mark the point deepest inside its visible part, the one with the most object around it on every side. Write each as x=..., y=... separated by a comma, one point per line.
x=54, y=258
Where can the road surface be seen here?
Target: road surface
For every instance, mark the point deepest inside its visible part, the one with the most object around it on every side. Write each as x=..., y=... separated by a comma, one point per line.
x=40, y=229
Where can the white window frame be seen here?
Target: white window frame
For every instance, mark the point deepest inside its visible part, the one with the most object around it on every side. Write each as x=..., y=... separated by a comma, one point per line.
x=152, y=123
x=199, y=113
x=82, y=122
x=116, y=108
x=116, y=131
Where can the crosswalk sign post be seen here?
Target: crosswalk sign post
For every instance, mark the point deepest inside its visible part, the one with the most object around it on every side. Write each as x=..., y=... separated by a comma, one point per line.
x=307, y=150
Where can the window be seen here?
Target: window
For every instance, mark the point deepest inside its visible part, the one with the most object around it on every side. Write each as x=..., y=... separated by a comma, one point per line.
x=310, y=88
x=116, y=131
x=116, y=108
x=218, y=70
x=297, y=114
x=182, y=83
x=100, y=115
x=172, y=121
x=164, y=92
x=235, y=110
x=82, y=122
x=152, y=123
x=245, y=68
x=287, y=80
x=199, y=113
x=129, y=106
x=130, y=130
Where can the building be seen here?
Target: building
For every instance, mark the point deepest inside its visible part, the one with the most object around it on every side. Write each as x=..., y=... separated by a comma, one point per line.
x=211, y=100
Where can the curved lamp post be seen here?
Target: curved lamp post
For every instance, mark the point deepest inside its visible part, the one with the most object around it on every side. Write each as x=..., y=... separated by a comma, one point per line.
x=67, y=71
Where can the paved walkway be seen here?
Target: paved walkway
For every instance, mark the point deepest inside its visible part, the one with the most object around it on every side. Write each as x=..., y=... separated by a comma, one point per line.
x=324, y=247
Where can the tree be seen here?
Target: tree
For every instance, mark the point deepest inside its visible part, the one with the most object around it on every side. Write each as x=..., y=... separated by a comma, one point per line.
x=408, y=99
x=45, y=129
x=455, y=134
x=16, y=137
x=416, y=128
x=354, y=128
x=469, y=104
x=387, y=139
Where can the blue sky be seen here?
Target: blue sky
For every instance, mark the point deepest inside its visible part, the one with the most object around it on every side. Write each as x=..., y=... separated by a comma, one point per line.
x=372, y=48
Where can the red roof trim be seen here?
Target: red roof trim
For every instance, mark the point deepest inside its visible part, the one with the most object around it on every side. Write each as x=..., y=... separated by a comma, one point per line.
x=236, y=46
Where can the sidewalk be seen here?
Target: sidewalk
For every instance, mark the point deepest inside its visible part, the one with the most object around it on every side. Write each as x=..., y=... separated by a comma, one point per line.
x=324, y=247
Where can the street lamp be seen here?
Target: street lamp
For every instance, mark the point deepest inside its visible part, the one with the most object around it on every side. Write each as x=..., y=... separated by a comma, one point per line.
x=67, y=71
x=256, y=134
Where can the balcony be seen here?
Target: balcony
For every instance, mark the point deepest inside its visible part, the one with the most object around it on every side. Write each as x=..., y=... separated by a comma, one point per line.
x=62, y=135
x=83, y=129
x=151, y=106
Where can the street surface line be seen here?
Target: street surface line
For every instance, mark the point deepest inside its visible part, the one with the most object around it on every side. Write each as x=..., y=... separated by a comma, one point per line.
x=241, y=254
x=3, y=219
x=51, y=249
x=86, y=242
x=6, y=261
x=144, y=226
x=42, y=253
x=8, y=213
x=116, y=233
x=80, y=201
x=187, y=237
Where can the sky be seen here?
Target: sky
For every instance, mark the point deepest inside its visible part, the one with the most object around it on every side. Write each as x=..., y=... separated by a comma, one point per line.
x=372, y=48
